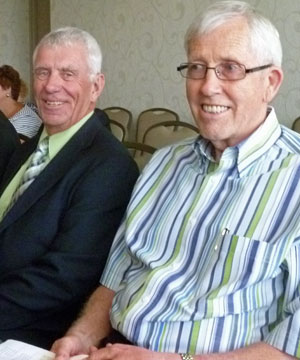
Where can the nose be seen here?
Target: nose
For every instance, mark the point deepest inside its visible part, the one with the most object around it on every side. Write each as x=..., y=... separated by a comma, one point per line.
x=211, y=84
x=53, y=82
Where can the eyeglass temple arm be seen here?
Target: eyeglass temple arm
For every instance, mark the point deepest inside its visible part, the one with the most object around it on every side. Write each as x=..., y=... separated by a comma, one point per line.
x=258, y=68
x=181, y=67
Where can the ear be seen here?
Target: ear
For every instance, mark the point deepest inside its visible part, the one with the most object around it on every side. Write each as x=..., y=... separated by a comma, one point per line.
x=274, y=80
x=98, y=86
x=7, y=90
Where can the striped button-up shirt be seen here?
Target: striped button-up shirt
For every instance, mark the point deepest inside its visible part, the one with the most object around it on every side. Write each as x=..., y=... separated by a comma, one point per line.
x=26, y=121
x=208, y=256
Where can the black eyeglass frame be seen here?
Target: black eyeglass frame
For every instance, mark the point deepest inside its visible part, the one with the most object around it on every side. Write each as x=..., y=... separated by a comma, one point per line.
x=246, y=71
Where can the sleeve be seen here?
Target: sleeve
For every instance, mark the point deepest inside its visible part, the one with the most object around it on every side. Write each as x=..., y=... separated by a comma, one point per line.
x=70, y=269
x=285, y=335
x=118, y=261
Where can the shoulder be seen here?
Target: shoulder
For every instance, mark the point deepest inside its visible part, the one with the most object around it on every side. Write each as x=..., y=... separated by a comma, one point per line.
x=101, y=149
x=165, y=162
x=101, y=139
x=26, y=114
x=176, y=151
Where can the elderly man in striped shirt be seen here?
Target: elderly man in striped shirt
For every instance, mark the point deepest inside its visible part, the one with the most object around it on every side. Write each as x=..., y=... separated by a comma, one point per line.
x=206, y=264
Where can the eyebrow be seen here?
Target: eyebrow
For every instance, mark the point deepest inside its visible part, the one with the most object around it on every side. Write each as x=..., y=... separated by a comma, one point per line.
x=41, y=68
x=69, y=68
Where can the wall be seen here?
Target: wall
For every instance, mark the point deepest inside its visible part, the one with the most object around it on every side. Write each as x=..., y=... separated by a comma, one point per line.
x=14, y=36
x=142, y=42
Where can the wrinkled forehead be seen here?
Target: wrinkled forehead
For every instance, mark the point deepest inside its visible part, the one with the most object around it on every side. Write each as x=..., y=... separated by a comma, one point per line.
x=61, y=55
x=61, y=48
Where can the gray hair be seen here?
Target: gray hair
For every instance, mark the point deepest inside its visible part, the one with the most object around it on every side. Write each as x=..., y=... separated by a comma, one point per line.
x=264, y=37
x=68, y=36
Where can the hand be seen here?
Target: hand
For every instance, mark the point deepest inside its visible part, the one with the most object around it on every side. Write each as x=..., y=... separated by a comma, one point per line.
x=129, y=352
x=68, y=346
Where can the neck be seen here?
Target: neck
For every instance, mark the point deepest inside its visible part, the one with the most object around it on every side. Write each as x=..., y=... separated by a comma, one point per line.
x=10, y=107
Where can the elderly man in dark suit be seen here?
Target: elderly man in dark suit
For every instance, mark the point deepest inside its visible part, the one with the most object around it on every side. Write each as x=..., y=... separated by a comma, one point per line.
x=62, y=196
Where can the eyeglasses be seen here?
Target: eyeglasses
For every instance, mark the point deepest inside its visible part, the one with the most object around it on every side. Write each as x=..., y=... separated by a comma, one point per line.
x=225, y=71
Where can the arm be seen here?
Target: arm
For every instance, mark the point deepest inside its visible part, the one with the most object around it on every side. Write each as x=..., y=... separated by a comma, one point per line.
x=89, y=329
x=259, y=351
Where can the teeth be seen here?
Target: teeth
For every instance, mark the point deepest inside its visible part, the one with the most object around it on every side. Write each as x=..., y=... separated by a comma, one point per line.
x=215, y=109
x=54, y=103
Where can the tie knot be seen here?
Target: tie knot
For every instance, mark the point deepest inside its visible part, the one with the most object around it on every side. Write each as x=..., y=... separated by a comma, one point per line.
x=43, y=146
x=41, y=152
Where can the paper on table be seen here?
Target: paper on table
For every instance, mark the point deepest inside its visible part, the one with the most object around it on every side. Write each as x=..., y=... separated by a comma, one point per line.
x=18, y=350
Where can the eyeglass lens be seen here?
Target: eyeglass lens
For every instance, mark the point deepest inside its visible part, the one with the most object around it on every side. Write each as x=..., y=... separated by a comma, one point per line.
x=224, y=71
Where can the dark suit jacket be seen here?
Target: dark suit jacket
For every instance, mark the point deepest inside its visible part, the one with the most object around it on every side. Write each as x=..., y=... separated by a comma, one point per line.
x=55, y=239
x=9, y=140
x=102, y=116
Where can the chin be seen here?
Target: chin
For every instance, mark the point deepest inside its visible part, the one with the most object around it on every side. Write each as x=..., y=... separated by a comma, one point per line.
x=212, y=134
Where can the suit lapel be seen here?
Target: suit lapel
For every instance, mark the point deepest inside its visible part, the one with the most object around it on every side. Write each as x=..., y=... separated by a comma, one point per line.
x=54, y=171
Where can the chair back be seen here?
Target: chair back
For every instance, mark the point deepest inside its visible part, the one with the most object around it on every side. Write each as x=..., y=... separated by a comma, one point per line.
x=296, y=125
x=120, y=115
x=117, y=130
x=168, y=132
x=153, y=116
x=143, y=155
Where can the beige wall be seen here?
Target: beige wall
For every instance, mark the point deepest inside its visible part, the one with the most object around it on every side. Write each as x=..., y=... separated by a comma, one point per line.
x=22, y=24
x=14, y=36
x=142, y=42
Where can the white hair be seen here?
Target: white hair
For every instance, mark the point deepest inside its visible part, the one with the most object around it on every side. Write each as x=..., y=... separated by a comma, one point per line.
x=264, y=37
x=69, y=36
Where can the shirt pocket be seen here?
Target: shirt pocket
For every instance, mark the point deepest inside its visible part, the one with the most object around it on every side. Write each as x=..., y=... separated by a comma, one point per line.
x=241, y=262
x=242, y=271
x=245, y=261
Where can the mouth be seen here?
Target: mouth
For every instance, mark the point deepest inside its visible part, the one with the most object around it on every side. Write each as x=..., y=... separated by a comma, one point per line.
x=53, y=103
x=214, y=109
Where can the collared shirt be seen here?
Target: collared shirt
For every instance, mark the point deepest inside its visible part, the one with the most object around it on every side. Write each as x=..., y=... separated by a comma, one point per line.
x=208, y=256
x=26, y=121
x=56, y=143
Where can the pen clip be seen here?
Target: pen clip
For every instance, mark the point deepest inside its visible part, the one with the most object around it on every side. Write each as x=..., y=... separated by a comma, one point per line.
x=220, y=239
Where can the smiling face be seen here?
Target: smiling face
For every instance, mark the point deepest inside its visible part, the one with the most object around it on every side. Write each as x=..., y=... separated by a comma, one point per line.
x=226, y=112
x=63, y=90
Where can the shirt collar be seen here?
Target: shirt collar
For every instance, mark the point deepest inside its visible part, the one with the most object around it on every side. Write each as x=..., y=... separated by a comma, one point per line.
x=249, y=150
x=58, y=140
x=259, y=142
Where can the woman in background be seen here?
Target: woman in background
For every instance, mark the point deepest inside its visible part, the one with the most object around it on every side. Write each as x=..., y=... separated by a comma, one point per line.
x=23, y=117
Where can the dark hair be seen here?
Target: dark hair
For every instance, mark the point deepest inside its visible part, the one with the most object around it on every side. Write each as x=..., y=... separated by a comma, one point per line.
x=10, y=78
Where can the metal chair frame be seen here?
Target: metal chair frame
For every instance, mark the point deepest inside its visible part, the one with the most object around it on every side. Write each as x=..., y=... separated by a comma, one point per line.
x=117, y=110
x=155, y=112
x=175, y=124
x=113, y=123
x=296, y=125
